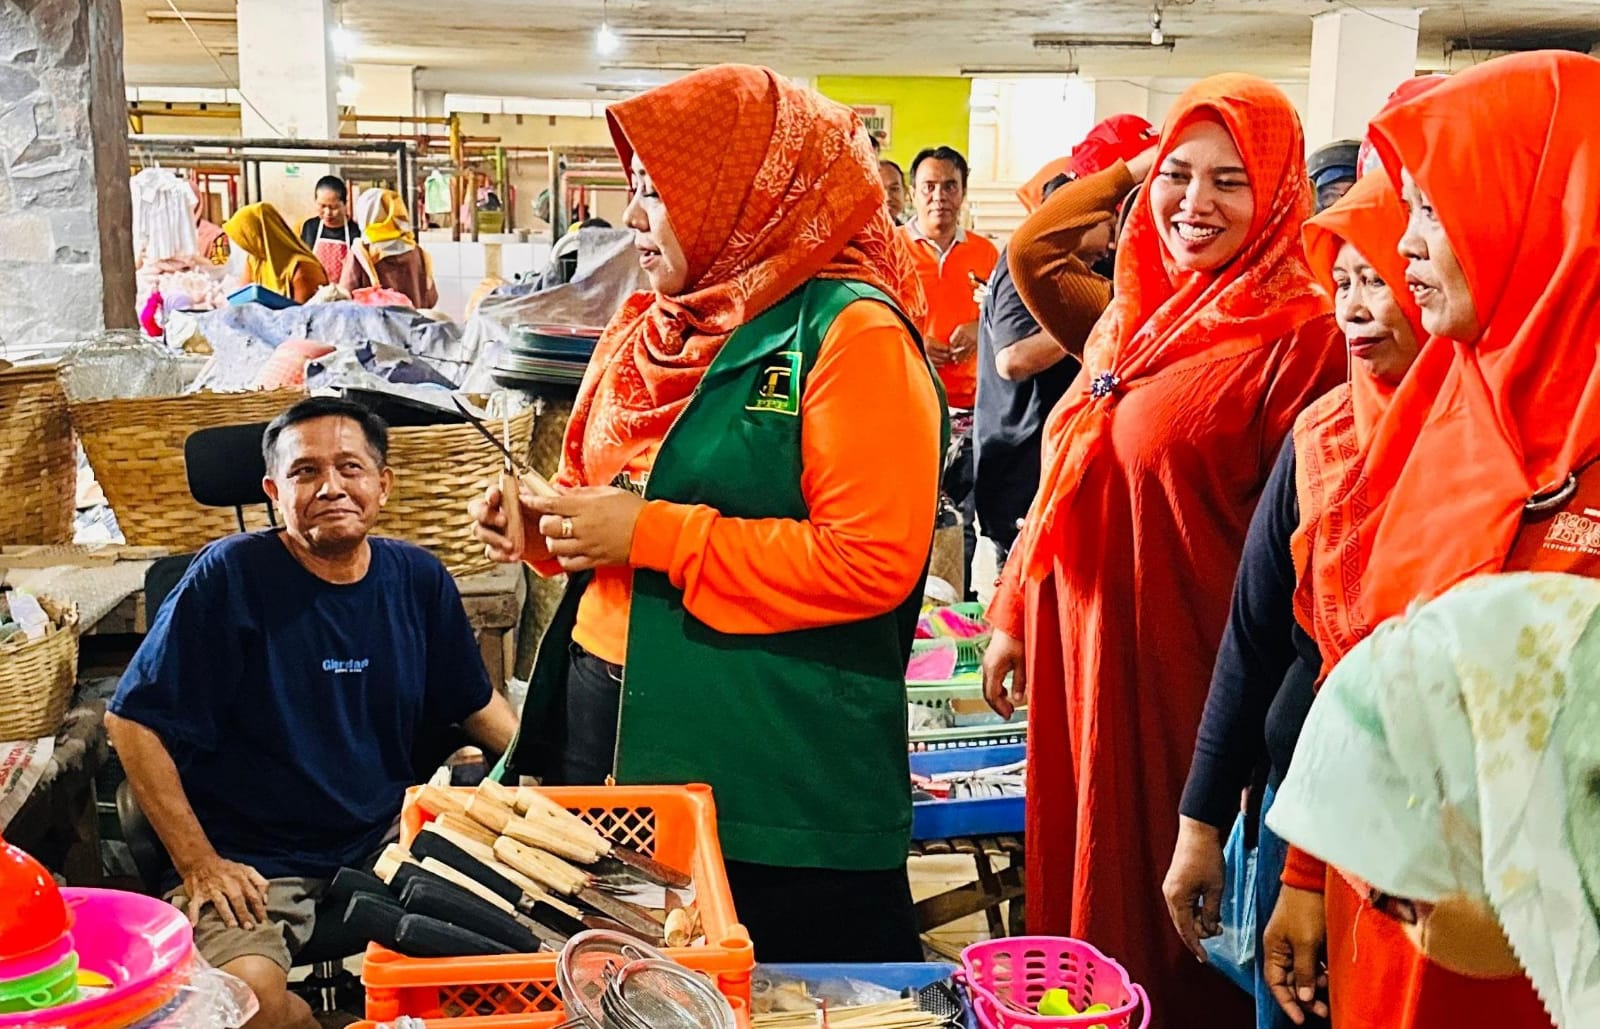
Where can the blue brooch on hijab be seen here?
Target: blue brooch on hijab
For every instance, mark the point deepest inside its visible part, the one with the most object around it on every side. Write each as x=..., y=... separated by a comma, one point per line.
x=1103, y=385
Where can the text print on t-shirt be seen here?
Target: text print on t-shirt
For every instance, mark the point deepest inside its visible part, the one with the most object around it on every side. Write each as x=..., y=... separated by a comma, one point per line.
x=349, y=667
x=1575, y=533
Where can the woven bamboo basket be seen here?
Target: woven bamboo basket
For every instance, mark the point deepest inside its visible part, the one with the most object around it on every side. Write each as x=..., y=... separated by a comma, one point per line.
x=38, y=473
x=438, y=469
x=37, y=677
x=136, y=450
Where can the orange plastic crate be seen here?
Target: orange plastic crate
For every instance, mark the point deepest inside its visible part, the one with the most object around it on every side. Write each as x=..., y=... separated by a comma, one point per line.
x=548, y=1020
x=676, y=825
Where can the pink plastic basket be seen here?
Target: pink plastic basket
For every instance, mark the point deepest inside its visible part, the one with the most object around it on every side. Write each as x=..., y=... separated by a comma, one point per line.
x=1007, y=978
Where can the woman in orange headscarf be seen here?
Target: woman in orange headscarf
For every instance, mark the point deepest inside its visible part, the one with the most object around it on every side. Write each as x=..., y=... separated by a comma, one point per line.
x=1118, y=590
x=1268, y=666
x=742, y=545
x=1484, y=462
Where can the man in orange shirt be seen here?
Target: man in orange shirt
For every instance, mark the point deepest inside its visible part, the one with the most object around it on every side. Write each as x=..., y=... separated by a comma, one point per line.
x=952, y=263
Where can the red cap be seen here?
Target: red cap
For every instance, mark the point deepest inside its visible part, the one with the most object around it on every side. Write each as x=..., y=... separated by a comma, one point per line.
x=1120, y=137
x=32, y=913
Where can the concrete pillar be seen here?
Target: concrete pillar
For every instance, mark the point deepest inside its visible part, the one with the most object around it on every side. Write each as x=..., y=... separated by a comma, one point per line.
x=388, y=89
x=289, y=76
x=66, y=236
x=1357, y=59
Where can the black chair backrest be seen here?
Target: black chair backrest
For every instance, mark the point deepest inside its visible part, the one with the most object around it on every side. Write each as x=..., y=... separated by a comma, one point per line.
x=225, y=466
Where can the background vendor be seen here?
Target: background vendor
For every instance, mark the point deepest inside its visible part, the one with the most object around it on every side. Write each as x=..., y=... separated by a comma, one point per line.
x=277, y=259
x=287, y=695
x=331, y=233
x=386, y=253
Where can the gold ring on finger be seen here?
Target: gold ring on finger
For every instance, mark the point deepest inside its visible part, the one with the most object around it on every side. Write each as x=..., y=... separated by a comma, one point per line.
x=566, y=528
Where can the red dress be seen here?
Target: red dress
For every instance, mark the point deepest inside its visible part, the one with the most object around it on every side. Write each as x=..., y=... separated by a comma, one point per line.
x=1120, y=584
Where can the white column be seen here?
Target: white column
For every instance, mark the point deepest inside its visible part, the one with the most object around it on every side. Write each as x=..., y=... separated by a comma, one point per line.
x=1357, y=59
x=288, y=73
x=387, y=89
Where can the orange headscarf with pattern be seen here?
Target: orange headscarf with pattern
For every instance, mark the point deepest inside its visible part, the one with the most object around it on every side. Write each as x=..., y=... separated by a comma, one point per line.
x=1480, y=426
x=1332, y=543
x=767, y=186
x=1163, y=318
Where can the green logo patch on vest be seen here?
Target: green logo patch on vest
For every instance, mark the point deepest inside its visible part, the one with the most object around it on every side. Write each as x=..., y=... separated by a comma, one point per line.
x=778, y=387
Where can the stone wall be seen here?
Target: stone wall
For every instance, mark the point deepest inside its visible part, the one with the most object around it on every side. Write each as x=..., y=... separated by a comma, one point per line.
x=66, y=252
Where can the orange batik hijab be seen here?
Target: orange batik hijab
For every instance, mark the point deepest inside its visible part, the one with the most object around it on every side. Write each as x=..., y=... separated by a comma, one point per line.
x=1479, y=427
x=1162, y=318
x=767, y=185
x=1333, y=541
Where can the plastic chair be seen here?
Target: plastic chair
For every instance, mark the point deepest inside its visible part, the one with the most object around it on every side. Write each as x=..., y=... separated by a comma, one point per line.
x=224, y=467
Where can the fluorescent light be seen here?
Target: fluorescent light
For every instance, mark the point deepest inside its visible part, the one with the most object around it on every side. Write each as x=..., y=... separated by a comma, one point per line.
x=348, y=86
x=655, y=66
x=1005, y=72
x=726, y=36
x=345, y=42
x=606, y=42
x=1100, y=42
x=194, y=17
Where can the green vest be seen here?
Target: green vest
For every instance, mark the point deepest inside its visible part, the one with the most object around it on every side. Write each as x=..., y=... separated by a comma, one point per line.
x=802, y=735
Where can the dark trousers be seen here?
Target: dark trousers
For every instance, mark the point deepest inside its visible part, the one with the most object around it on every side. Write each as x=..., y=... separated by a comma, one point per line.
x=958, y=485
x=824, y=915
x=793, y=914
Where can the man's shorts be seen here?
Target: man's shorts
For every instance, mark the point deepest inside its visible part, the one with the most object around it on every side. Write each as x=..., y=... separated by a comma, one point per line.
x=291, y=915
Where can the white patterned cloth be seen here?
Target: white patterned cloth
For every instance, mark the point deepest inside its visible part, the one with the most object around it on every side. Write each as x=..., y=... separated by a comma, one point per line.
x=1456, y=751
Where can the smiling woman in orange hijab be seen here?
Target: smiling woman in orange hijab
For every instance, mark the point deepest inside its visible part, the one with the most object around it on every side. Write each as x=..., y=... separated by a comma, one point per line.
x=1484, y=462
x=1268, y=667
x=747, y=499
x=1117, y=593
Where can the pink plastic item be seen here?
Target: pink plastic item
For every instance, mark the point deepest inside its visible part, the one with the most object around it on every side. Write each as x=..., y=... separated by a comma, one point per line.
x=286, y=368
x=35, y=923
x=1007, y=978
x=143, y=945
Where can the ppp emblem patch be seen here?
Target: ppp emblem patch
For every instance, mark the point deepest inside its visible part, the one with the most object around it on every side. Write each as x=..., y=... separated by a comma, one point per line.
x=777, y=388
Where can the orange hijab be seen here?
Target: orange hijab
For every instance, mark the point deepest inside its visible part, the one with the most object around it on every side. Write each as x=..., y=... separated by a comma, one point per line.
x=1480, y=426
x=768, y=185
x=1162, y=318
x=1330, y=437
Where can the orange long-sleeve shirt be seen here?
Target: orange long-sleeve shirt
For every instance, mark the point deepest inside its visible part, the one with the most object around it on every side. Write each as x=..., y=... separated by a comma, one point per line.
x=947, y=282
x=870, y=458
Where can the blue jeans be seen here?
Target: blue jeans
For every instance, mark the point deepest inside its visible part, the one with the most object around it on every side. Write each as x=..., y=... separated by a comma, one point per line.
x=1271, y=853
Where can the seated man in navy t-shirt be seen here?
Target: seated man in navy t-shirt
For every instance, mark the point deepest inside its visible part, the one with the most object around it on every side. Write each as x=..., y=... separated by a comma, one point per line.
x=267, y=722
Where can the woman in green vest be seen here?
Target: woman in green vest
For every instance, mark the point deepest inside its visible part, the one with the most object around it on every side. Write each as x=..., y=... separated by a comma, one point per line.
x=748, y=491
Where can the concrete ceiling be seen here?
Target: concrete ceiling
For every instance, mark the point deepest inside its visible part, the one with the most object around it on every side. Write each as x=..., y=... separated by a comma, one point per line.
x=546, y=47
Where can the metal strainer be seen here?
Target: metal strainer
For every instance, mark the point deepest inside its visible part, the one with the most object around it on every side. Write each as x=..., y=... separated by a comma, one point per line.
x=611, y=981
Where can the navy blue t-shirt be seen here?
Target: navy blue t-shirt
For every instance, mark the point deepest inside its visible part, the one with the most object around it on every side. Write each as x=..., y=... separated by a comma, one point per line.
x=290, y=704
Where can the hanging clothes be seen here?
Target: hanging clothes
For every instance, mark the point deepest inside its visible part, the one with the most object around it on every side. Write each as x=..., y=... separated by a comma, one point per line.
x=163, y=217
x=1120, y=584
x=436, y=194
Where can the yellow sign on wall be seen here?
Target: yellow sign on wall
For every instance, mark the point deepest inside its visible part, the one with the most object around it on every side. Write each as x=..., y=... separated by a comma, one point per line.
x=878, y=118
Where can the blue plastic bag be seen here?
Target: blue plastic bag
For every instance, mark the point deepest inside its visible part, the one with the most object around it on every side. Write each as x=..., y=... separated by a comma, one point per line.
x=1233, y=953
